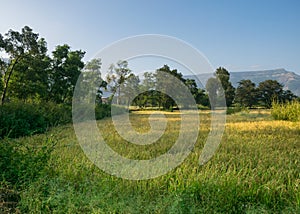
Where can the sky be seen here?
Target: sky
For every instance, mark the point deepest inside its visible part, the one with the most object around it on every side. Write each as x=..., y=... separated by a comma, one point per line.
x=238, y=35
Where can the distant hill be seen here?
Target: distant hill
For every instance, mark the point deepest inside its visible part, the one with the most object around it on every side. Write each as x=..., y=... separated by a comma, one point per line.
x=290, y=80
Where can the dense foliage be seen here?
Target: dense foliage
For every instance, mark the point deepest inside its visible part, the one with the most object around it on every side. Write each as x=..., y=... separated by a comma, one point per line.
x=30, y=74
x=19, y=119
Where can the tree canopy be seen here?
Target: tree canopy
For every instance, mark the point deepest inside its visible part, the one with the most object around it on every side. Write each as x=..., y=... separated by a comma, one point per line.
x=30, y=74
x=246, y=93
x=272, y=90
x=21, y=48
x=224, y=77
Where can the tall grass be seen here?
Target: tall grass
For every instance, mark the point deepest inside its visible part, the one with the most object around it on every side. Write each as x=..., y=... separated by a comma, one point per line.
x=255, y=170
x=286, y=111
x=22, y=162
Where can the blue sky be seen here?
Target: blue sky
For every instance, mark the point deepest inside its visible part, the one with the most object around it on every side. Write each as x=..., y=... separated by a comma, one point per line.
x=239, y=35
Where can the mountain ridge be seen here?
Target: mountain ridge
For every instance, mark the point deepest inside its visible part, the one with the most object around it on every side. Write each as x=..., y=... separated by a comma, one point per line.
x=290, y=80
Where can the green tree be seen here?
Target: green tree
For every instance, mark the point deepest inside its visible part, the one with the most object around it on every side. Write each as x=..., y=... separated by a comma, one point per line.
x=202, y=97
x=269, y=91
x=192, y=85
x=18, y=46
x=213, y=87
x=198, y=94
x=130, y=89
x=148, y=81
x=223, y=75
x=66, y=68
x=165, y=85
x=246, y=93
x=30, y=79
x=288, y=96
x=92, y=79
x=117, y=76
x=148, y=96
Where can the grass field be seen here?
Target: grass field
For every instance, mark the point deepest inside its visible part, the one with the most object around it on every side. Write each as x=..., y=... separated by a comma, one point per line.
x=255, y=170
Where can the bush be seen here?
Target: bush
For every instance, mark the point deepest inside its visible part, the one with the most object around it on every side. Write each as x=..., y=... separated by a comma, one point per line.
x=19, y=119
x=23, y=119
x=102, y=110
x=288, y=111
x=56, y=114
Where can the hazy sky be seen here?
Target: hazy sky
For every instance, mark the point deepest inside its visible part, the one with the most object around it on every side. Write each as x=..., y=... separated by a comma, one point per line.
x=239, y=35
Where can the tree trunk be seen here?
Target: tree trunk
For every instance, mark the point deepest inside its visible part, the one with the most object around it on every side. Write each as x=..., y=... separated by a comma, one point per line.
x=6, y=81
x=118, y=96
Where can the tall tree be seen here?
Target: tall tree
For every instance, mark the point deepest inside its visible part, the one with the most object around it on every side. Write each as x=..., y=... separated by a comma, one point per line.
x=130, y=88
x=269, y=91
x=92, y=78
x=246, y=93
x=30, y=79
x=66, y=68
x=213, y=87
x=148, y=96
x=272, y=90
x=202, y=97
x=192, y=85
x=117, y=76
x=17, y=45
x=288, y=96
x=166, y=86
x=148, y=81
x=223, y=75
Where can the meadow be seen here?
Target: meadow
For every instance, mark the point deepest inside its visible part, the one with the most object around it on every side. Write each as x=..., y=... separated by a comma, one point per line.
x=255, y=170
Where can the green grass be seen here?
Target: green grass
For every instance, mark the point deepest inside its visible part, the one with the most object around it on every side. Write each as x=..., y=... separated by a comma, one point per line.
x=255, y=170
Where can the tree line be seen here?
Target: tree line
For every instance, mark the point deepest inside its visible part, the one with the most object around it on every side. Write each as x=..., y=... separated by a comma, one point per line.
x=155, y=88
x=30, y=74
x=247, y=94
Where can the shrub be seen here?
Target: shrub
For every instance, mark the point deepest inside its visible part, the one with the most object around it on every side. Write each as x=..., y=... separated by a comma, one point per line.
x=19, y=119
x=56, y=114
x=102, y=110
x=288, y=111
x=23, y=119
